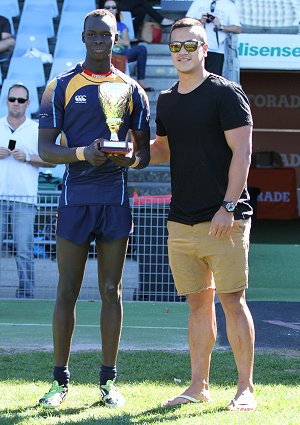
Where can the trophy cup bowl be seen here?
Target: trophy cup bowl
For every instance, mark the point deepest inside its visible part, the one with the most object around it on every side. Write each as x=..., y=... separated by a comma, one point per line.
x=114, y=99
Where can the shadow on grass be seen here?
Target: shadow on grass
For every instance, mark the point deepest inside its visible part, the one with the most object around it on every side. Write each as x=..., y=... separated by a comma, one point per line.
x=150, y=416
x=161, y=368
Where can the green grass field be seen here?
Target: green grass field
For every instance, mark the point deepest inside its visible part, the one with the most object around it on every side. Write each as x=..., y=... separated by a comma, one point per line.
x=147, y=379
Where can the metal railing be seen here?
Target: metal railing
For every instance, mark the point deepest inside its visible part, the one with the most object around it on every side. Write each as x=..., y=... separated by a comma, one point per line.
x=146, y=277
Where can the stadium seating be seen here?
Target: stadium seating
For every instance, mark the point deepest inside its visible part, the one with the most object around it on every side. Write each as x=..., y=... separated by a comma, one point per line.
x=12, y=5
x=71, y=23
x=60, y=65
x=27, y=41
x=126, y=17
x=78, y=6
x=46, y=6
x=68, y=46
x=33, y=22
x=27, y=69
x=269, y=13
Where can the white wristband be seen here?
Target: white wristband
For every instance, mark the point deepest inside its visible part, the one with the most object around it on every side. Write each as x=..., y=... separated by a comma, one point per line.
x=136, y=162
x=80, y=153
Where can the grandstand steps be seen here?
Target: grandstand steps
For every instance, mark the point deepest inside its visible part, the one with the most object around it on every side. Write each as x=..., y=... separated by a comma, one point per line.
x=153, y=180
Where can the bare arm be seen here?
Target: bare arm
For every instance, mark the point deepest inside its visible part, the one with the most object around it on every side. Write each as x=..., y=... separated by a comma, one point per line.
x=234, y=29
x=159, y=150
x=124, y=40
x=240, y=142
x=34, y=160
x=7, y=42
x=51, y=152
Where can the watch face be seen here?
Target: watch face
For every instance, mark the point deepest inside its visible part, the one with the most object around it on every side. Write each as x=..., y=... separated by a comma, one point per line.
x=229, y=206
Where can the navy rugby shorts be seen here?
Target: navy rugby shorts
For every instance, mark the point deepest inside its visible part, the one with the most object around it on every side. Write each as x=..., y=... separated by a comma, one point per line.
x=83, y=224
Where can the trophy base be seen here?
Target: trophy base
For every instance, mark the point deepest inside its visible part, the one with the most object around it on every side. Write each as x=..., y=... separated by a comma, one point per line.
x=110, y=146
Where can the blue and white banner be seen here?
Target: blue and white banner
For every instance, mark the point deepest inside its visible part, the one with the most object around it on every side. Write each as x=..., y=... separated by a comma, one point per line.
x=269, y=51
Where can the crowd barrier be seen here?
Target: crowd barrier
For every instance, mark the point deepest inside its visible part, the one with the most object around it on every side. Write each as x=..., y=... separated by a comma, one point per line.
x=146, y=277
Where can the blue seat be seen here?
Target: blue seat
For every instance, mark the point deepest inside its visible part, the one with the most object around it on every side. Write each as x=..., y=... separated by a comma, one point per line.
x=46, y=6
x=60, y=65
x=26, y=41
x=34, y=105
x=32, y=22
x=126, y=18
x=70, y=46
x=71, y=23
x=27, y=69
x=12, y=5
x=76, y=5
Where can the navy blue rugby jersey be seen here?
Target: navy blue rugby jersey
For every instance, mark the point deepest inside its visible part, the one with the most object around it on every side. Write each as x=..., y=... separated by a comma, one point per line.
x=70, y=104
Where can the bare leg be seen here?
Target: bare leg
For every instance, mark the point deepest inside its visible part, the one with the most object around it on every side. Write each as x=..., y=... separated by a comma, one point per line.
x=111, y=258
x=241, y=335
x=71, y=260
x=202, y=336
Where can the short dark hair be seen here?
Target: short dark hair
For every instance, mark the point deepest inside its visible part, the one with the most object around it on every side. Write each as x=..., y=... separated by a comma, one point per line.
x=189, y=23
x=100, y=13
x=19, y=85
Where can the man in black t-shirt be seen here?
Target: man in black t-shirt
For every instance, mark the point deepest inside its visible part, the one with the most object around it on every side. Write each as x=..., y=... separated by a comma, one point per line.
x=204, y=128
x=7, y=42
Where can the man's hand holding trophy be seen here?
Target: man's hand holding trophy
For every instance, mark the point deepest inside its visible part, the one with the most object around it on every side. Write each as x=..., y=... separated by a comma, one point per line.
x=115, y=100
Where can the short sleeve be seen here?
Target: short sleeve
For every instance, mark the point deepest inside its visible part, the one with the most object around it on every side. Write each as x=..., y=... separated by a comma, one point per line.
x=160, y=129
x=5, y=25
x=140, y=114
x=52, y=107
x=234, y=109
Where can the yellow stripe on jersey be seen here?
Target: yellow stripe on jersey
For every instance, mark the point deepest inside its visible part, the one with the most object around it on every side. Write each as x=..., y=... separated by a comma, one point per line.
x=83, y=80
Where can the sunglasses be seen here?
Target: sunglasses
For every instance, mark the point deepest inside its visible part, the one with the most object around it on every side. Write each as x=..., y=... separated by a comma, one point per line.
x=189, y=45
x=18, y=99
x=213, y=6
x=110, y=7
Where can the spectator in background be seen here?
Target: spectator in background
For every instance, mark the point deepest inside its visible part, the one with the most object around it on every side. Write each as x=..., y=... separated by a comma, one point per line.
x=220, y=18
x=19, y=171
x=7, y=41
x=139, y=9
x=122, y=47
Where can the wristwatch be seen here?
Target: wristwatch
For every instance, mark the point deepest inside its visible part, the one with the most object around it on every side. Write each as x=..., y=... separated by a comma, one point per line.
x=221, y=28
x=229, y=206
x=27, y=157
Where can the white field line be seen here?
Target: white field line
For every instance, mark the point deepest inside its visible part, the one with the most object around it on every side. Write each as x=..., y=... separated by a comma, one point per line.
x=95, y=326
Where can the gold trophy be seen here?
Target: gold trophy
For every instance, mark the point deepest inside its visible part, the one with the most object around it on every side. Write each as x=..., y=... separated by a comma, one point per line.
x=114, y=99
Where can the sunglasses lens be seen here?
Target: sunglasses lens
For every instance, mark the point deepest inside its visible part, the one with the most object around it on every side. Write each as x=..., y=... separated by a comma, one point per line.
x=175, y=47
x=191, y=46
x=19, y=99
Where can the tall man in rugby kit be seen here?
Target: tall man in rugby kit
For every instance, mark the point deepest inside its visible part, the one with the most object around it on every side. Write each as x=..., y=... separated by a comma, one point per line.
x=94, y=203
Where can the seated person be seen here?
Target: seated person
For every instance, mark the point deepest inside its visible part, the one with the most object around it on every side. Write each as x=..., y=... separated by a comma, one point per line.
x=122, y=47
x=7, y=41
x=139, y=9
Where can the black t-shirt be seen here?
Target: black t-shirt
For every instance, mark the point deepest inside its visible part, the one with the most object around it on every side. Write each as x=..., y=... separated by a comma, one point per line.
x=4, y=26
x=200, y=156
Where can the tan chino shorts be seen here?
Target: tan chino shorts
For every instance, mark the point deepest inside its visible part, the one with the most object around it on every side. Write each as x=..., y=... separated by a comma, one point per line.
x=199, y=261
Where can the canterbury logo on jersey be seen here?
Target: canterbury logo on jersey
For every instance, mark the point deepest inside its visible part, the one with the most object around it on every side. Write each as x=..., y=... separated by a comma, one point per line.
x=80, y=98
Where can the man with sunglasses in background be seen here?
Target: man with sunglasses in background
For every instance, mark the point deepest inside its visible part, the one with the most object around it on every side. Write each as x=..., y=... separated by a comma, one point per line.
x=19, y=172
x=204, y=128
x=220, y=18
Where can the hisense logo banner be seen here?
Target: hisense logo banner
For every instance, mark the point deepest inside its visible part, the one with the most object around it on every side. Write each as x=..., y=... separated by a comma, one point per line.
x=269, y=51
